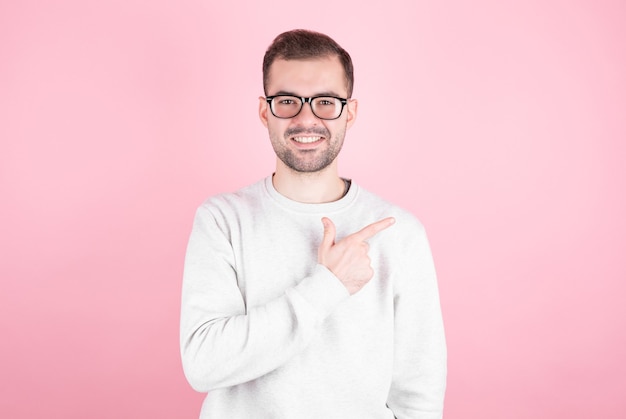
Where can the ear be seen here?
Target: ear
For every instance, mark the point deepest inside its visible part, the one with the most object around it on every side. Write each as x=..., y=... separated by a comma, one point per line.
x=351, y=108
x=263, y=109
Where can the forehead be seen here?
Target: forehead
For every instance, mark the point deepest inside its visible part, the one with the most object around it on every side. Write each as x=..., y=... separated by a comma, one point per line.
x=307, y=77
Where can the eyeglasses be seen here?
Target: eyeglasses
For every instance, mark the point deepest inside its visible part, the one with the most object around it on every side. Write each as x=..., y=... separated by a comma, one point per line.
x=324, y=107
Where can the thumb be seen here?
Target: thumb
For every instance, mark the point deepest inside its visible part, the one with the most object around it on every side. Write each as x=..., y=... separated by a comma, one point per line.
x=329, y=236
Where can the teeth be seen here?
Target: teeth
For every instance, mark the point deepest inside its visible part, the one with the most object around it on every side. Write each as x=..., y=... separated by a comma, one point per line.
x=306, y=140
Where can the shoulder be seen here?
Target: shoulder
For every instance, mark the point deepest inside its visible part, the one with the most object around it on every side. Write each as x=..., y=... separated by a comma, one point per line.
x=406, y=221
x=246, y=196
x=228, y=207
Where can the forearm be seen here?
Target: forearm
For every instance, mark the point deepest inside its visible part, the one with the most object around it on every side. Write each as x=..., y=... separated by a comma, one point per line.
x=225, y=349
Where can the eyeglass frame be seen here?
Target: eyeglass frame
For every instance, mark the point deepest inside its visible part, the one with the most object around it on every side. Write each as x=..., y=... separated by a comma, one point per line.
x=303, y=100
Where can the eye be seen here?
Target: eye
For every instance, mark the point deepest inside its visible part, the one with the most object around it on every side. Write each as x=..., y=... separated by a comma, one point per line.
x=325, y=101
x=286, y=102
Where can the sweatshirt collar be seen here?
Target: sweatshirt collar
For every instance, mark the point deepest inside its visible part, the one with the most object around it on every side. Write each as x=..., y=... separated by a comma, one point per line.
x=323, y=208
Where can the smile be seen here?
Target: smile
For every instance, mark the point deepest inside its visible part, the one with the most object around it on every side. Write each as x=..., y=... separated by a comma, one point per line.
x=306, y=140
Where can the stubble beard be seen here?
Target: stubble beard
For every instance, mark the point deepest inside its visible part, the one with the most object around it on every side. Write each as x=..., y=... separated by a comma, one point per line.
x=308, y=161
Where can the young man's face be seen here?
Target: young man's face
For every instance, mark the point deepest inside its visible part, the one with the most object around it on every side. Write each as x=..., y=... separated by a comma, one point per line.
x=306, y=143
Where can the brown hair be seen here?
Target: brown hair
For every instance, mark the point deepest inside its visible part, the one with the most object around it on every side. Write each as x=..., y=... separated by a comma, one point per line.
x=302, y=44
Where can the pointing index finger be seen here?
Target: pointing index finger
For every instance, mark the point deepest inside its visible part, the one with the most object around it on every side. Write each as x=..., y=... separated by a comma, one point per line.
x=371, y=230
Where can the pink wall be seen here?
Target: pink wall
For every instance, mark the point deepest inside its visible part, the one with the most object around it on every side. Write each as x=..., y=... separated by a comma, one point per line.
x=502, y=127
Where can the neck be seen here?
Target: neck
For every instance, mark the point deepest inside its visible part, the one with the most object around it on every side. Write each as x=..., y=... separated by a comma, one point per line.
x=309, y=188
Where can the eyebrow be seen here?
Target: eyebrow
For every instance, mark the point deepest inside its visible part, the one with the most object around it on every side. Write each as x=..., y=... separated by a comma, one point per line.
x=287, y=93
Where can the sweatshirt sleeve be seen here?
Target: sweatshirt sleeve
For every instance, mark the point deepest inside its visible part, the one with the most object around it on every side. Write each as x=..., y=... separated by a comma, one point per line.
x=225, y=343
x=419, y=373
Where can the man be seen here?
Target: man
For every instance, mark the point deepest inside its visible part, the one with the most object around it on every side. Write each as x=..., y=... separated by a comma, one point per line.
x=304, y=295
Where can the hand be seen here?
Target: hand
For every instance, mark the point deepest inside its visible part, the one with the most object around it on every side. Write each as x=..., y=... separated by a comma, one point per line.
x=348, y=259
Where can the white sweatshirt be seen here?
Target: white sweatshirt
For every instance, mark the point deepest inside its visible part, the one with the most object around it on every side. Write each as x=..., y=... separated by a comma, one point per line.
x=267, y=332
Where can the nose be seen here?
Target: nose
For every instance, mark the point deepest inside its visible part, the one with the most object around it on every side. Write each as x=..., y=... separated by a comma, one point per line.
x=306, y=114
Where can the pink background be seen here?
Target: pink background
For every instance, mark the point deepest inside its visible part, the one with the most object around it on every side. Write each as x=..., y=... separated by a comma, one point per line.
x=502, y=125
